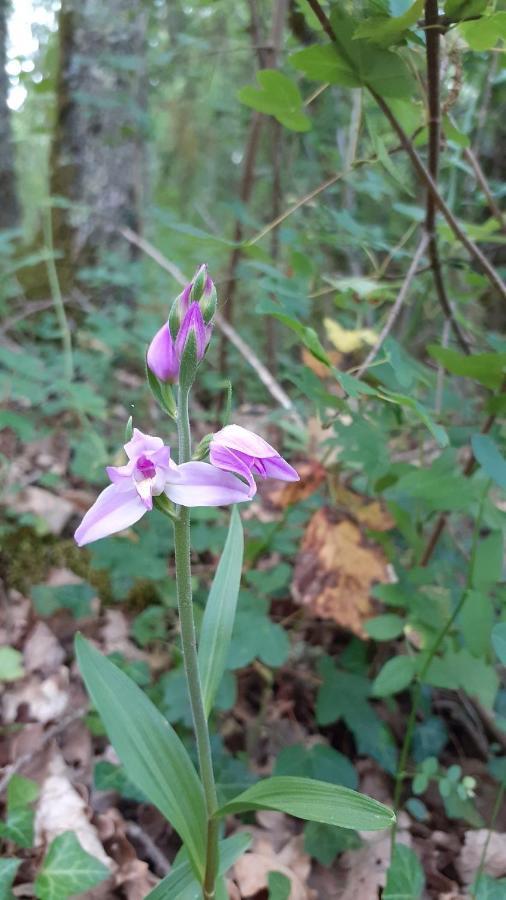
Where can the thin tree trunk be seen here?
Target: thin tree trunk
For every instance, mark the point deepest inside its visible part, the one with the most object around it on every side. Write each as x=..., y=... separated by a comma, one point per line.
x=9, y=204
x=96, y=154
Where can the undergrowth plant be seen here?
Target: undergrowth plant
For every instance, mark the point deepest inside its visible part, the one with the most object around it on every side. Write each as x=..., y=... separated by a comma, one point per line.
x=153, y=755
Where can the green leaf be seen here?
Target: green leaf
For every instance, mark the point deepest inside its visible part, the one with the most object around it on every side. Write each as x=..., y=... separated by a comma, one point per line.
x=279, y=97
x=396, y=675
x=279, y=886
x=219, y=615
x=324, y=842
x=499, y=641
x=459, y=9
x=384, y=628
x=256, y=636
x=162, y=392
x=476, y=620
x=67, y=870
x=320, y=762
x=488, y=562
x=487, y=368
x=405, y=878
x=8, y=869
x=386, y=31
x=150, y=750
x=490, y=458
x=488, y=888
x=355, y=63
x=314, y=801
x=460, y=669
x=21, y=791
x=76, y=598
x=485, y=33
x=180, y=883
x=11, y=664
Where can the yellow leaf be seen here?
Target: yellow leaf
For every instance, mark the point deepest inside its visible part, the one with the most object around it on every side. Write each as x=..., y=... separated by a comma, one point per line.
x=347, y=341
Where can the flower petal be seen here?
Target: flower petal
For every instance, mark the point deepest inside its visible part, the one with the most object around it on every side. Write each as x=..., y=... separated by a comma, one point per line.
x=141, y=443
x=199, y=484
x=161, y=357
x=277, y=467
x=238, y=438
x=113, y=510
x=224, y=458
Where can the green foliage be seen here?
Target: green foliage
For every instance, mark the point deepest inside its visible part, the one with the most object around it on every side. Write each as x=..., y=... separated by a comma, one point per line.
x=219, y=615
x=279, y=886
x=8, y=869
x=48, y=599
x=325, y=842
x=320, y=762
x=18, y=826
x=405, y=878
x=314, y=801
x=68, y=870
x=396, y=675
x=255, y=635
x=11, y=664
x=277, y=96
x=152, y=754
x=181, y=882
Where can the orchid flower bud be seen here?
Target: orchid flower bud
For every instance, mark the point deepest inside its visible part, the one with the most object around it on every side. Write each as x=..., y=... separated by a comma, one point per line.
x=162, y=357
x=179, y=309
x=203, y=292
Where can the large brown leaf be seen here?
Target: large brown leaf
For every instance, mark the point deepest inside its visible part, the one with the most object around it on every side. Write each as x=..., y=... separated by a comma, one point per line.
x=335, y=570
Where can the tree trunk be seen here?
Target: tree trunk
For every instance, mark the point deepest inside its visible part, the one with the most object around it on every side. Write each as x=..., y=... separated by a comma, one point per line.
x=9, y=205
x=96, y=155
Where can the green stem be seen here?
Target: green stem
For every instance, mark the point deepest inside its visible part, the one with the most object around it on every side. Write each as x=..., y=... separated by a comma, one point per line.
x=189, y=644
x=56, y=296
x=415, y=703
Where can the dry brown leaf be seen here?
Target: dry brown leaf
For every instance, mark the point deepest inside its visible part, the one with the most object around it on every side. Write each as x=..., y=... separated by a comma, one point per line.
x=319, y=368
x=335, y=570
x=312, y=475
x=42, y=652
x=45, y=700
x=469, y=859
x=15, y=618
x=275, y=848
x=366, y=868
x=115, y=634
x=54, y=510
x=369, y=513
x=132, y=874
x=60, y=808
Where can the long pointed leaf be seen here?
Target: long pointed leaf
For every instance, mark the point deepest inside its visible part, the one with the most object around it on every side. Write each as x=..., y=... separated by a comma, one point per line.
x=219, y=614
x=181, y=884
x=150, y=750
x=315, y=801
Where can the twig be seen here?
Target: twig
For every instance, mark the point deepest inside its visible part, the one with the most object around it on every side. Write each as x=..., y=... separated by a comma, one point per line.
x=482, y=181
x=423, y=174
x=246, y=352
x=51, y=733
x=396, y=307
x=432, y=37
x=160, y=862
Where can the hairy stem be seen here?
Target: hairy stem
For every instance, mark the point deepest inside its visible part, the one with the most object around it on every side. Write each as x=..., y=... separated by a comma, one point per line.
x=189, y=645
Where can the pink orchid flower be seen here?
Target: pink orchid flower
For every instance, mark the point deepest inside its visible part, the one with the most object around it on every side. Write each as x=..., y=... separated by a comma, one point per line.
x=164, y=354
x=148, y=473
x=236, y=449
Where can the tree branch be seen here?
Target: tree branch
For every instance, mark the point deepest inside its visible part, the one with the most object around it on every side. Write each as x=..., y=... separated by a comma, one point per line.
x=423, y=174
x=396, y=307
x=432, y=44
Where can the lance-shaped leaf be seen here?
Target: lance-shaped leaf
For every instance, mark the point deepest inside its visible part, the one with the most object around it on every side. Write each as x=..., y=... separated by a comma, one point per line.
x=181, y=884
x=150, y=750
x=219, y=614
x=315, y=801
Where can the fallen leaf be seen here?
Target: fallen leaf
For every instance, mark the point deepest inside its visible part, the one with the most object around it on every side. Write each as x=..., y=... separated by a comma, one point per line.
x=60, y=808
x=348, y=340
x=115, y=634
x=335, y=570
x=15, y=618
x=131, y=874
x=54, y=510
x=366, y=868
x=45, y=700
x=275, y=848
x=312, y=475
x=469, y=859
x=368, y=513
x=319, y=368
x=42, y=652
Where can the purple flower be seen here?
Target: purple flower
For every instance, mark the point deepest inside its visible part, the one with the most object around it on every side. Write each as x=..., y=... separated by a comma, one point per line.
x=148, y=473
x=236, y=449
x=162, y=358
x=193, y=323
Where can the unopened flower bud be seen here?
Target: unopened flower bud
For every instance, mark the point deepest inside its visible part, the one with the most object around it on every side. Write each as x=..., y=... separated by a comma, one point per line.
x=162, y=357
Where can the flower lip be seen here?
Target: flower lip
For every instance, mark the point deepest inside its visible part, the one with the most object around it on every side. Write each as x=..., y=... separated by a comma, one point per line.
x=146, y=467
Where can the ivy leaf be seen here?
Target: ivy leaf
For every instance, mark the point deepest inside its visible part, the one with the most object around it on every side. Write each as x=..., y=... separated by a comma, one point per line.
x=8, y=869
x=68, y=870
x=277, y=96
